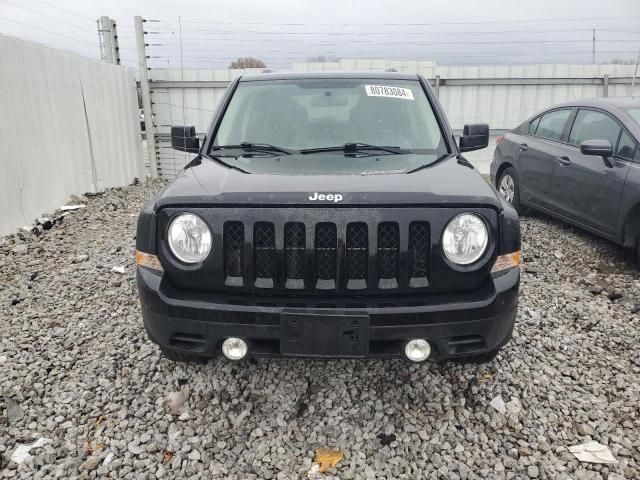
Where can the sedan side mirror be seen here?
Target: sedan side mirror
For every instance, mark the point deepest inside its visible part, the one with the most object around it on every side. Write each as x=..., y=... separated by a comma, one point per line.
x=598, y=147
x=184, y=138
x=474, y=137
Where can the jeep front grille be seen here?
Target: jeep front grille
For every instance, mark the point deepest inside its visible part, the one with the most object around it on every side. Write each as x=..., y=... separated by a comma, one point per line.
x=349, y=256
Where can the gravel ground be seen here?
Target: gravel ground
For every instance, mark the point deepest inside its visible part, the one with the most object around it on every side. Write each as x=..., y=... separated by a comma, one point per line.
x=77, y=369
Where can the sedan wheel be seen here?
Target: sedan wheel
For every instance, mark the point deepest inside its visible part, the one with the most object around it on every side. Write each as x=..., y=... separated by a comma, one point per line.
x=507, y=188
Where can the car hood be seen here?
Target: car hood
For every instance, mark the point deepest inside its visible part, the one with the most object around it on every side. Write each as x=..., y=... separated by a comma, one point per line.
x=450, y=182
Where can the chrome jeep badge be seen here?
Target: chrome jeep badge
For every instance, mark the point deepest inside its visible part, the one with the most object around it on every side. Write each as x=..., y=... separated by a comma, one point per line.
x=331, y=197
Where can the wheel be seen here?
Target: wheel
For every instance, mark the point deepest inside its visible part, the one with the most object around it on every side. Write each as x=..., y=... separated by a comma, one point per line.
x=175, y=356
x=509, y=188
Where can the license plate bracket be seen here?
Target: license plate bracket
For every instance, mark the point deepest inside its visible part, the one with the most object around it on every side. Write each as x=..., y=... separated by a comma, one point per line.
x=324, y=335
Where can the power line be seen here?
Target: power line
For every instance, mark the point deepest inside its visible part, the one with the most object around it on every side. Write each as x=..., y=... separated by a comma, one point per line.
x=431, y=24
x=65, y=10
x=47, y=31
x=48, y=16
x=161, y=30
x=48, y=45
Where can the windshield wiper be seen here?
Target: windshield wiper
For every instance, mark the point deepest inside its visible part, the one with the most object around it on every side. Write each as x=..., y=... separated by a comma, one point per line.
x=440, y=158
x=253, y=147
x=216, y=158
x=356, y=148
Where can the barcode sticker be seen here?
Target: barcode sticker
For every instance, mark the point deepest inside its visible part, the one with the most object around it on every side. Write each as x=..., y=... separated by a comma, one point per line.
x=389, y=92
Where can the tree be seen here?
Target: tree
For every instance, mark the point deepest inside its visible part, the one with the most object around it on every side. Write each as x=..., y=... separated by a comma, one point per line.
x=247, y=62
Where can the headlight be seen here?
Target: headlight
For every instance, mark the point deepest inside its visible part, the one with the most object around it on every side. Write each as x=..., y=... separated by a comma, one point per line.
x=465, y=239
x=189, y=238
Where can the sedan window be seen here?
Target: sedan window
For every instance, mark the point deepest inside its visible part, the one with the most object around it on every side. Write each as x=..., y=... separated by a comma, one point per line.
x=626, y=147
x=533, y=126
x=592, y=125
x=552, y=124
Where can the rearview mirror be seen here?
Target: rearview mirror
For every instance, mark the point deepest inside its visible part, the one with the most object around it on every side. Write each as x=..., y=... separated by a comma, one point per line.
x=184, y=138
x=474, y=137
x=598, y=147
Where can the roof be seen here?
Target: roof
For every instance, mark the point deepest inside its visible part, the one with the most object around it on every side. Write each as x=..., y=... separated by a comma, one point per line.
x=319, y=75
x=607, y=103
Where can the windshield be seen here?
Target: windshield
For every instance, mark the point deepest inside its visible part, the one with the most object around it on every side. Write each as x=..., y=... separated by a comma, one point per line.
x=301, y=115
x=634, y=113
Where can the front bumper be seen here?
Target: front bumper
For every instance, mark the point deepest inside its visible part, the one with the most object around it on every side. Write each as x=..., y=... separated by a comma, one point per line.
x=456, y=325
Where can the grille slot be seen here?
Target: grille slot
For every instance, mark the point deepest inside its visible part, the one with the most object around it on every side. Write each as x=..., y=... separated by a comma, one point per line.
x=388, y=249
x=419, y=242
x=326, y=246
x=357, y=255
x=233, y=253
x=264, y=253
x=294, y=254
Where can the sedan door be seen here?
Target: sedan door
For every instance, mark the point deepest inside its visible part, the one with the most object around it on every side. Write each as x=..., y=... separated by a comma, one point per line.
x=587, y=189
x=538, y=153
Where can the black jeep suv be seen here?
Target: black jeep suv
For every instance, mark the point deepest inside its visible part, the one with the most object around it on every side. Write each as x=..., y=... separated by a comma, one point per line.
x=329, y=215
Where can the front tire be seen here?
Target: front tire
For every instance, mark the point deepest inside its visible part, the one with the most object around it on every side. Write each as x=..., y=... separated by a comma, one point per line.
x=509, y=187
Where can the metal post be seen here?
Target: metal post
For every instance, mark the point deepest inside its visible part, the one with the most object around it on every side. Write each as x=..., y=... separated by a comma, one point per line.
x=437, y=86
x=605, y=85
x=105, y=23
x=100, y=39
x=146, y=98
x=635, y=74
x=114, y=42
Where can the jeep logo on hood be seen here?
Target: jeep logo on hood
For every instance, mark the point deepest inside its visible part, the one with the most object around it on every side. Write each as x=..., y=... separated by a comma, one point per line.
x=331, y=197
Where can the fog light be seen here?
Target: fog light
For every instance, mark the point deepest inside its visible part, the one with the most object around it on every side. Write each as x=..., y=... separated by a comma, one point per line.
x=417, y=350
x=234, y=348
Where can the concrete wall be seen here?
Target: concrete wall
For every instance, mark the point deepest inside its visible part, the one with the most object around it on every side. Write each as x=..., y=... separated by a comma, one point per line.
x=502, y=106
x=68, y=125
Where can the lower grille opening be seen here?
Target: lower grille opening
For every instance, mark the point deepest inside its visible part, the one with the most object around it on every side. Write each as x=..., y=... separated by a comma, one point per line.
x=466, y=344
x=186, y=341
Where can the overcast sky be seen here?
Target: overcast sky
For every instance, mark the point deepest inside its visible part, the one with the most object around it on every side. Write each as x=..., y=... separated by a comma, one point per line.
x=282, y=31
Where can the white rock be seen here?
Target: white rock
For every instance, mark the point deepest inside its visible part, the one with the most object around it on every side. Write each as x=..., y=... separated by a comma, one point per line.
x=593, y=452
x=498, y=404
x=21, y=453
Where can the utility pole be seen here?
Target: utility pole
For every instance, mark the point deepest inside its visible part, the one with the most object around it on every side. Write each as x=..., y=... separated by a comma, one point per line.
x=593, y=48
x=114, y=42
x=146, y=97
x=105, y=27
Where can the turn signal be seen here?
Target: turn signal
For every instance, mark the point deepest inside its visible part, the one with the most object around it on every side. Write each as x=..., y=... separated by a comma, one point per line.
x=503, y=262
x=147, y=260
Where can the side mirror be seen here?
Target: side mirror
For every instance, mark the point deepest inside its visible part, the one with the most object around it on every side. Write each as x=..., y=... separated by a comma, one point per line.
x=474, y=137
x=185, y=139
x=598, y=147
